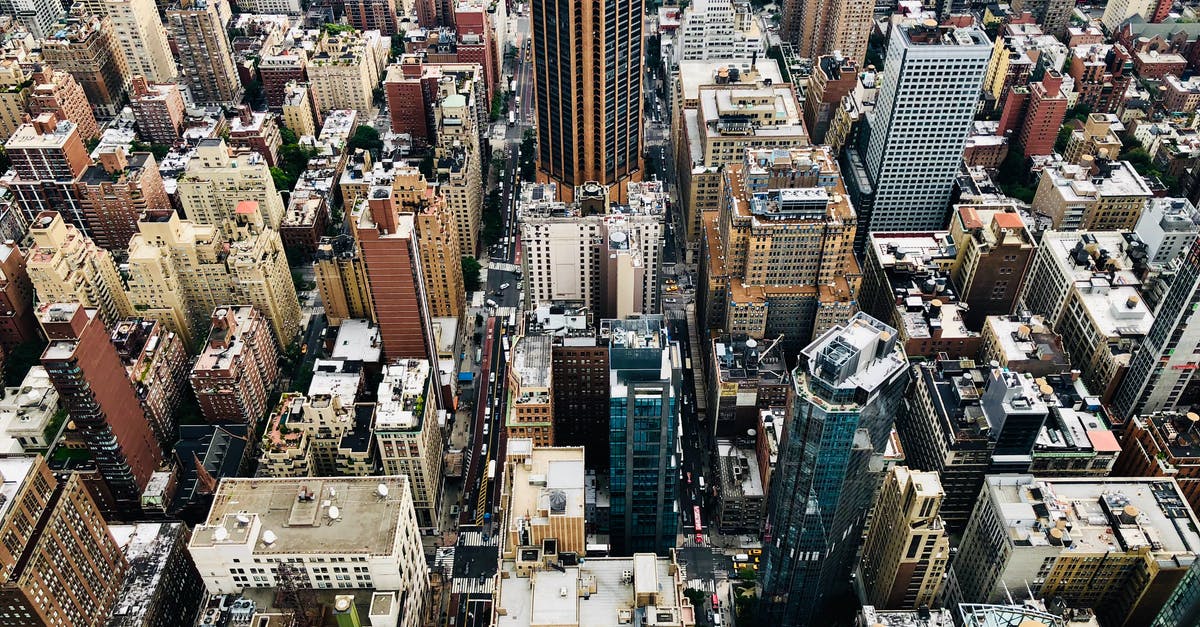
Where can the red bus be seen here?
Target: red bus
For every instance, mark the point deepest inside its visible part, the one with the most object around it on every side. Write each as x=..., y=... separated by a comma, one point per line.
x=697, y=525
x=716, y=603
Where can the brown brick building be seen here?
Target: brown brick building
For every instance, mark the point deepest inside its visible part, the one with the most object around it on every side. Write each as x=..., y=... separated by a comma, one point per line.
x=238, y=367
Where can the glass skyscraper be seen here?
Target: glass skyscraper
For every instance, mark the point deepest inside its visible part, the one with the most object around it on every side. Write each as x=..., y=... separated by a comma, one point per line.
x=644, y=375
x=848, y=387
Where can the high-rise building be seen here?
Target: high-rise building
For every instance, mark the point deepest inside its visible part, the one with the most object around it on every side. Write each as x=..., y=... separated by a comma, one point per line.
x=746, y=377
x=318, y=435
x=1164, y=444
x=834, y=77
x=589, y=106
x=377, y=15
x=255, y=131
x=66, y=266
x=47, y=156
x=593, y=251
x=342, y=280
x=1035, y=111
x=819, y=27
x=1023, y=343
x=906, y=547
x=911, y=161
x=18, y=321
x=238, y=368
x=87, y=48
x=458, y=152
x=579, y=370
x=437, y=245
x=373, y=532
x=345, y=68
x=1097, y=139
x=203, y=52
x=140, y=36
x=1053, y=15
x=57, y=92
x=547, y=483
x=1102, y=73
x=1117, y=545
x=1162, y=370
x=644, y=403
x=1183, y=608
x=712, y=30
x=779, y=254
x=1120, y=10
x=39, y=16
x=408, y=436
x=102, y=403
x=847, y=390
x=162, y=582
x=14, y=96
x=116, y=192
x=531, y=391
x=994, y=249
x=476, y=40
x=1169, y=227
x=299, y=115
x=60, y=565
x=1101, y=196
x=158, y=110
x=219, y=182
x=157, y=363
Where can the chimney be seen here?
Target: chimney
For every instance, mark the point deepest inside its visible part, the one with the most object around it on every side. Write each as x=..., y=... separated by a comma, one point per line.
x=113, y=160
x=139, y=86
x=45, y=123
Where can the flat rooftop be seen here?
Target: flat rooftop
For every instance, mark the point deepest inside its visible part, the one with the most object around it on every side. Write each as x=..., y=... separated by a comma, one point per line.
x=368, y=515
x=549, y=483
x=358, y=340
x=1116, y=310
x=531, y=361
x=401, y=397
x=1081, y=254
x=1096, y=515
x=13, y=471
x=845, y=355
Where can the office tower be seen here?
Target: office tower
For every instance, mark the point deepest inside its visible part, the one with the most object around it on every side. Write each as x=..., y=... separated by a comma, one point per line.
x=203, y=52
x=158, y=110
x=57, y=542
x=157, y=363
x=57, y=92
x=1099, y=196
x=18, y=322
x=712, y=30
x=906, y=549
x=408, y=436
x=1162, y=369
x=115, y=192
x=535, y=477
x=1119, y=546
x=579, y=369
x=1118, y=11
x=834, y=77
x=237, y=369
x=376, y=533
x=1164, y=444
x=378, y=15
x=341, y=279
x=906, y=281
x=1168, y=227
x=819, y=27
x=531, y=391
x=994, y=250
x=592, y=251
x=643, y=403
x=387, y=242
x=824, y=485
x=162, y=582
x=178, y=272
x=932, y=76
x=779, y=253
x=140, y=36
x=47, y=155
x=747, y=376
x=1087, y=284
x=437, y=243
x=87, y=49
x=1102, y=73
x=345, y=68
x=589, y=107
x=14, y=96
x=1036, y=112
x=729, y=117
x=318, y=435
x=1053, y=15
x=66, y=266
x=101, y=402
x=1183, y=608
x=218, y=183
x=39, y=16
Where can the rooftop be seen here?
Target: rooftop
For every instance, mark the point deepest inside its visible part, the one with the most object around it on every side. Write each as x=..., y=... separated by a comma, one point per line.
x=548, y=483
x=860, y=354
x=148, y=548
x=1117, y=310
x=1076, y=183
x=225, y=344
x=358, y=340
x=740, y=477
x=1081, y=255
x=531, y=361
x=640, y=332
x=741, y=358
x=300, y=516
x=1028, y=338
x=908, y=618
x=1096, y=515
x=401, y=398
x=13, y=472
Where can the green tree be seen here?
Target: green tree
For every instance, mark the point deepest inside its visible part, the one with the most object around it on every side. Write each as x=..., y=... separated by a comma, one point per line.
x=697, y=597
x=283, y=182
x=1064, y=136
x=20, y=359
x=747, y=573
x=287, y=136
x=1079, y=112
x=470, y=270
x=366, y=137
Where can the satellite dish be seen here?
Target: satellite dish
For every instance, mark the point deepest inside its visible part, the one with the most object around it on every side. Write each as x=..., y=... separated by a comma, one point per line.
x=243, y=519
x=268, y=537
x=382, y=490
x=221, y=534
x=334, y=512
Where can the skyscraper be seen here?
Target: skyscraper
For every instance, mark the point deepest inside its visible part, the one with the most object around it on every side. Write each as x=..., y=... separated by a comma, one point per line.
x=818, y=27
x=99, y=398
x=920, y=124
x=205, y=56
x=848, y=388
x=644, y=371
x=1164, y=365
x=588, y=93
x=906, y=547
